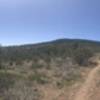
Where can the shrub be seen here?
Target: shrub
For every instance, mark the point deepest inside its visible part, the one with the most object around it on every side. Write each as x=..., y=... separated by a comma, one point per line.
x=36, y=66
x=6, y=81
x=39, y=78
x=82, y=55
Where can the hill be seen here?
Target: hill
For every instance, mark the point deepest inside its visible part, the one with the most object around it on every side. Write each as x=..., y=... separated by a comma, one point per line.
x=57, y=48
x=46, y=71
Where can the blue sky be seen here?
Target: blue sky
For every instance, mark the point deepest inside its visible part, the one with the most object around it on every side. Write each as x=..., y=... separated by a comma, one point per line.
x=32, y=21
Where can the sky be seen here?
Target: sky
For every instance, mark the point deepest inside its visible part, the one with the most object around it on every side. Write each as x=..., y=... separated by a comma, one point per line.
x=33, y=21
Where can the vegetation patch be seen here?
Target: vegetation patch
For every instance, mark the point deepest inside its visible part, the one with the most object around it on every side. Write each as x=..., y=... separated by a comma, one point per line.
x=39, y=78
x=36, y=66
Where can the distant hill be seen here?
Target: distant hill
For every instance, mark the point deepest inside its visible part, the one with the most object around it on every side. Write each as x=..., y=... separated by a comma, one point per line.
x=56, y=48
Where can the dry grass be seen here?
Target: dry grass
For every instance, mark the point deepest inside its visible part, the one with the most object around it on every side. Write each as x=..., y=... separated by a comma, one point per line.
x=27, y=82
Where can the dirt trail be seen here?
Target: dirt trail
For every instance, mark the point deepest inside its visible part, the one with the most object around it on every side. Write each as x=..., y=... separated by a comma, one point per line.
x=90, y=90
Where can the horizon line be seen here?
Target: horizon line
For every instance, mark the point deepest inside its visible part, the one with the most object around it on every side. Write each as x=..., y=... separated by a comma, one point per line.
x=46, y=41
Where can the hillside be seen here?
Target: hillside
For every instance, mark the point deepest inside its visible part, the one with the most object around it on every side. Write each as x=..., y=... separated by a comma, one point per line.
x=57, y=48
x=48, y=71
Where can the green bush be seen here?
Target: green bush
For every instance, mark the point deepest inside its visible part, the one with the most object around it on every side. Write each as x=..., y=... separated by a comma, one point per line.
x=36, y=66
x=6, y=81
x=39, y=78
x=82, y=55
